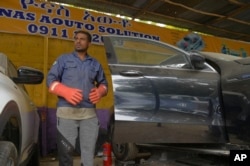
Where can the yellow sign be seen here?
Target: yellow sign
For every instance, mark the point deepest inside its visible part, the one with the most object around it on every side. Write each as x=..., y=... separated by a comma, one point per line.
x=58, y=21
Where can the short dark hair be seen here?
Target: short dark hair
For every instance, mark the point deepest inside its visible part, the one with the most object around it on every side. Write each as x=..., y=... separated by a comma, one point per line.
x=86, y=33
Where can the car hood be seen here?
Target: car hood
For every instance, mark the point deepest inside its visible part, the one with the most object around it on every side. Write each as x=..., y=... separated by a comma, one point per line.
x=245, y=61
x=230, y=67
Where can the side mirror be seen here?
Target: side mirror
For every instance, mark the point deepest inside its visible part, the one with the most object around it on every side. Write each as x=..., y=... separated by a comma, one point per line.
x=197, y=60
x=28, y=75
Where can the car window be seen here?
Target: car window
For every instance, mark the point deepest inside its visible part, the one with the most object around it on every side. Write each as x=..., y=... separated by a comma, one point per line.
x=3, y=63
x=137, y=51
x=12, y=71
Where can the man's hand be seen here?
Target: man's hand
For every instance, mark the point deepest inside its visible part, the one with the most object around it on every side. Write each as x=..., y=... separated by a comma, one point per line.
x=72, y=95
x=97, y=93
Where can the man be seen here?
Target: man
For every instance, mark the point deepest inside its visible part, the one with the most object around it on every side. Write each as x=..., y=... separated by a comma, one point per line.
x=79, y=82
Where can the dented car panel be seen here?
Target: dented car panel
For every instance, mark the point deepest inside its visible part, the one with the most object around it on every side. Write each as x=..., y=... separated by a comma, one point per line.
x=163, y=94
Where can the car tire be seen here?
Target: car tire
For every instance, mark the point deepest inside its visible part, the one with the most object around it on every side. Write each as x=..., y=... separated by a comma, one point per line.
x=8, y=154
x=122, y=152
x=35, y=158
x=125, y=152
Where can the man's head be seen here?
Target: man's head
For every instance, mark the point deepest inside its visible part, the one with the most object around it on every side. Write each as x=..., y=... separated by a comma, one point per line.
x=82, y=41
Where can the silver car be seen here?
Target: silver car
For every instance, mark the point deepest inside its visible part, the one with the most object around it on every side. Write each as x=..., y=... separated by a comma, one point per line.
x=19, y=119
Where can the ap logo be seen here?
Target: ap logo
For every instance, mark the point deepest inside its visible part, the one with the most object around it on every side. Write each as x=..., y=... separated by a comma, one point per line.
x=240, y=157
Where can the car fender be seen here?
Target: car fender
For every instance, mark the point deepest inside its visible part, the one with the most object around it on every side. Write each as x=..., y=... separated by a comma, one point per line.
x=24, y=110
x=8, y=89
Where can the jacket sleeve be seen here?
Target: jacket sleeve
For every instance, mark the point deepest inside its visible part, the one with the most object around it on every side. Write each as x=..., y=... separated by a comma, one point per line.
x=101, y=78
x=55, y=72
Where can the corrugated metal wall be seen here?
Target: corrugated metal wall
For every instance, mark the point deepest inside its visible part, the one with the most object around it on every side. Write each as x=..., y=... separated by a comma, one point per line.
x=40, y=52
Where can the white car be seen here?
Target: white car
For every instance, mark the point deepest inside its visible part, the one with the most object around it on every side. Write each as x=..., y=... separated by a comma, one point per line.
x=19, y=119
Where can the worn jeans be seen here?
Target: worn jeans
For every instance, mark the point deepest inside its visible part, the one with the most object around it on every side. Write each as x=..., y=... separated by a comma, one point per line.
x=68, y=131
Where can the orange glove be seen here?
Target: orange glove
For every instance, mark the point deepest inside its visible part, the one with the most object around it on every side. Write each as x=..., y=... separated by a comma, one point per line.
x=96, y=94
x=72, y=95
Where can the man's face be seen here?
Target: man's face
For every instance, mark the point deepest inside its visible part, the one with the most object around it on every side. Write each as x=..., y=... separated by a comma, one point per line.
x=81, y=42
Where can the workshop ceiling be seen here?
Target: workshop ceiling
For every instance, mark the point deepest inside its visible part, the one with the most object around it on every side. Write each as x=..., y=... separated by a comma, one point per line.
x=222, y=18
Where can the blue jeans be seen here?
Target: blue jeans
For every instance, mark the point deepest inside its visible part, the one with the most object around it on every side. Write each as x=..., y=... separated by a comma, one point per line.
x=68, y=131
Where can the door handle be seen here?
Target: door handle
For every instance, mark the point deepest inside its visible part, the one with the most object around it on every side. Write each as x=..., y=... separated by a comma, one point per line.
x=131, y=73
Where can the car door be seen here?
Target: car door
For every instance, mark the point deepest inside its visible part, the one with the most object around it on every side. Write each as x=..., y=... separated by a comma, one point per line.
x=158, y=91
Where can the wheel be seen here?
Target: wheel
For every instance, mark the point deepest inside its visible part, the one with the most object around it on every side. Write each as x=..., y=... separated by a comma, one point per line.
x=125, y=152
x=35, y=157
x=217, y=126
x=8, y=154
x=122, y=152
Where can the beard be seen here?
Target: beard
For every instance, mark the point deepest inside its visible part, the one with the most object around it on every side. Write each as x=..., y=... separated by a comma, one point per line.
x=81, y=49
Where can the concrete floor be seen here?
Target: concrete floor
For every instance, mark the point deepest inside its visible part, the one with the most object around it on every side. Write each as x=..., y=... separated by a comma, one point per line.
x=158, y=158
x=154, y=161
x=99, y=162
x=52, y=161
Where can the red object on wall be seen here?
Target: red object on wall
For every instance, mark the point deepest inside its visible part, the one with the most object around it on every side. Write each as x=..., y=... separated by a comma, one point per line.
x=107, y=158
